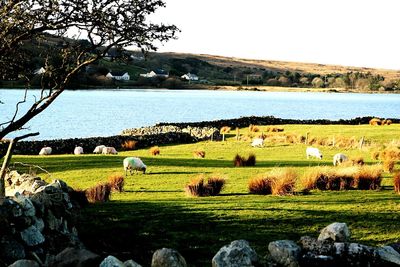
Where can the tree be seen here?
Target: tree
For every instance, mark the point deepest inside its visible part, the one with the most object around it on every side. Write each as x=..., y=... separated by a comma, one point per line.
x=69, y=35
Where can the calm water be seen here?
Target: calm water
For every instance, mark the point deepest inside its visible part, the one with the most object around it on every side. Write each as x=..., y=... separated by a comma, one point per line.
x=108, y=112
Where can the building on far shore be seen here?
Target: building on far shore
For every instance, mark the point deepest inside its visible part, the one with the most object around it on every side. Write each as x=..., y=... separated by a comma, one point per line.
x=190, y=77
x=155, y=73
x=118, y=75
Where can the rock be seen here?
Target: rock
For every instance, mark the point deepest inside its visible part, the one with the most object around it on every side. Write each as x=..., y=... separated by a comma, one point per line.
x=111, y=261
x=167, y=257
x=354, y=254
x=52, y=222
x=337, y=232
x=313, y=260
x=237, y=253
x=32, y=236
x=317, y=247
x=76, y=257
x=285, y=252
x=131, y=263
x=38, y=223
x=395, y=246
x=37, y=185
x=389, y=255
x=24, y=263
x=26, y=204
x=10, y=249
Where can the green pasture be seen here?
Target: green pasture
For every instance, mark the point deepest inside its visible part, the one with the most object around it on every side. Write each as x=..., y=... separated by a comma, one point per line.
x=154, y=212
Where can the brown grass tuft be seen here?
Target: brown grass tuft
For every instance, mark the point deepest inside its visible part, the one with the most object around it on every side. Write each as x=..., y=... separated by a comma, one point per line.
x=99, y=193
x=283, y=181
x=368, y=178
x=260, y=186
x=396, y=182
x=386, y=122
x=388, y=165
x=225, y=129
x=78, y=196
x=329, y=178
x=198, y=188
x=154, y=151
x=199, y=153
x=390, y=154
x=357, y=161
x=239, y=161
x=375, y=121
x=129, y=145
x=375, y=155
x=116, y=182
x=253, y=128
x=274, y=129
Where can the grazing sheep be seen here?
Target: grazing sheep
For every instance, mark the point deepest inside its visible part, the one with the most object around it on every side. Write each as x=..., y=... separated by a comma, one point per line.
x=339, y=158
x=134, y=164
x=78, y=150
x=99, y=149
x=109, y=150
x=313, y=152
x=257, y=142
x=45, y=150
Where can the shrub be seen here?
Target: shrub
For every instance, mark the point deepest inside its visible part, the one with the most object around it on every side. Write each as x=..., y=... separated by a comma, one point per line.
x=388, y=165
x=199, y=153
x=99, y=193
x=116, y=182
x=154, y=151
x=198, y=188
x=239, y=161
x=375, y=121
x=368, y=178
x=253, y=128
x=129, y=145
x=260, y=186
x=78, y=196
x=396, y=182
x=283, y=181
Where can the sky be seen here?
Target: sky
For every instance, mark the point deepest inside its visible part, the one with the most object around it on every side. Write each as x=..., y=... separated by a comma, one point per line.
x=341, y=32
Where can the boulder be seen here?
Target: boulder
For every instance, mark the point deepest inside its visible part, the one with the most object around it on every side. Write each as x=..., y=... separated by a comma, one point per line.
x=131, y=263
x=167, y=257
x=317, y=247
x=26, y=204
x=237, y=253
x=76, y=257
x=111, y=261
x=354, y=254
x=337, y=232
x=285, y=252
x=389, y=255
x=32, y=236
x=24, y=263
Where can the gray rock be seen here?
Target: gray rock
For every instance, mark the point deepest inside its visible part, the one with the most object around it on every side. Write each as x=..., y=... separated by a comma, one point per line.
x=38, y=223
x=76, y=257
x=32, y=236
x=389, y=254
x=354, y=254
x=131, y=263
x=24, y=263
x=317, y=247
x=285, y=252
x=237, y=253
x=337, y=232
x=26, y=204
x=52, y=222
x=167, y=257
x=37, y=185
x=313, y=260
x=10, y=249
x=111, y=261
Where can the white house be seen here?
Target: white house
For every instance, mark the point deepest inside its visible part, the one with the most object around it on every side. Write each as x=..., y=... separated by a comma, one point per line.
x=120, y=76
x=155, y=73
x=190, y=77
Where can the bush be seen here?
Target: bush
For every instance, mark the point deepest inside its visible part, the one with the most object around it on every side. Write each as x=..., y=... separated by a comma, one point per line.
x=368, y=178
x=198, y=188
x=155, y=150
x=199, y=153
x=129, y=145
x=396, y=182
x=277, y=182
x=99, y=193
x=260, y=186
x=239, y=161
x=116, y=182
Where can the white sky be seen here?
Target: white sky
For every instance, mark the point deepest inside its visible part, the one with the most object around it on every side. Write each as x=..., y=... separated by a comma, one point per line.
x=344, y=32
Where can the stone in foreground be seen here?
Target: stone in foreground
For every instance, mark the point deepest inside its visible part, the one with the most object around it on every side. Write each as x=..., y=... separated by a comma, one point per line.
x=285, y=252
x=236, y=254
x=337, y=232
x=167, y=257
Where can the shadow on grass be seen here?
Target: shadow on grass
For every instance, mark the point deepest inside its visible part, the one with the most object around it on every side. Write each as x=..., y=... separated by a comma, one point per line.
x=197, y=229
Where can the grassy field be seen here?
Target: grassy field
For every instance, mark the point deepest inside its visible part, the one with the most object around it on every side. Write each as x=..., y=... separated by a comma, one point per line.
x=154, y=211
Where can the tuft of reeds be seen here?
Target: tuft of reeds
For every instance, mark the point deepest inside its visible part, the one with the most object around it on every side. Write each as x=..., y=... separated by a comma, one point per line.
x=375, y=121
x=198, y=188
x=396, y=182
x=199, y=153
x=390, y=154
x=253, y=128
x=116, y=182
x=357, y=161
x=329, y=178
x=260, y=186
x=154, y=151
x=78, y=196
x=274, y=129
x=283, y=181
x=386, y=122
x=225, y=130
x=388, y=165
x=368, y=178
x=375, y=155
x=129, y=145
x=239, y=161
x=99, y=193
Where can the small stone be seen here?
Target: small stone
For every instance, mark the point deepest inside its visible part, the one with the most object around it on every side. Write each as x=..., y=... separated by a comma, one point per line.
x=238, y=253
x=337, y=232
x=285, y=252
x=111, y=261
x=131, y=263
x=32, y=236
x=167, y=257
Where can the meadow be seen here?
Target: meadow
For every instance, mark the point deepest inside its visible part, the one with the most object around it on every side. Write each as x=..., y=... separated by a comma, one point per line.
x=154, y=211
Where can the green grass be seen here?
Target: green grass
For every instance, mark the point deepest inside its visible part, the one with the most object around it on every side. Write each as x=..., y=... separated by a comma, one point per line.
x=154, y=211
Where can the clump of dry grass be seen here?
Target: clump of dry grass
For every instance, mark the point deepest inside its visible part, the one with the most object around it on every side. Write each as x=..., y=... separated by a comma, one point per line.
x=277, y=182
x=129, y=145
x=253, y=128
x=274, y=129
x=392, y=153
x=260, y=186
x=199, y=153
x=239, y=161
x=386, y=122
x=357, y=161
x=154, y=151
x=375, y=155
x=388, y=165
x=396, y=182
x=78, y=196
x=368, y=177
x=225, y=130
x=375, y=121
x=99, y=193
x=116, y=182
x=198, y=188
x=328, y=178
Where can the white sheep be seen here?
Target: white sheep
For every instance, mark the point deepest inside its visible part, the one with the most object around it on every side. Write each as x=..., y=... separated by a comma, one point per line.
x=109, y=150
x=313, y=152
x=45, y=150
x=134, y=164
x=78, y=150
x=339, y=158
x=257, y=142
x=99, y=149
